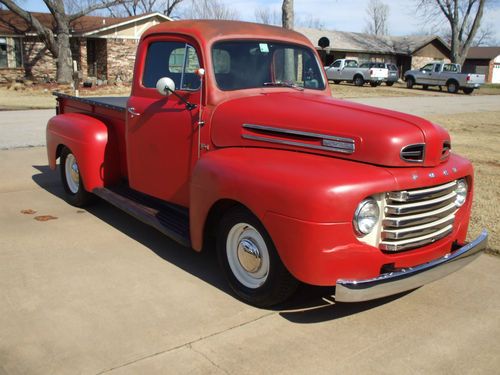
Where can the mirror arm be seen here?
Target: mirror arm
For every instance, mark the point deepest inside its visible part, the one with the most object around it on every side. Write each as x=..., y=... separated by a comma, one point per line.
x=189, y=106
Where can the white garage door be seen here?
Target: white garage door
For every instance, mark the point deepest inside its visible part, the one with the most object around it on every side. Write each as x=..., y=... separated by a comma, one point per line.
x=496, y=73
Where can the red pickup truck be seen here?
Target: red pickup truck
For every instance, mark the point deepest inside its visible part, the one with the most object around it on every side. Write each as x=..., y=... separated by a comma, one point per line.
x=231, y=137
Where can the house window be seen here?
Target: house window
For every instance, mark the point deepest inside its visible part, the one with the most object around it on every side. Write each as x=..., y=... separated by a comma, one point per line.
x=3, y=53
x=10, y=53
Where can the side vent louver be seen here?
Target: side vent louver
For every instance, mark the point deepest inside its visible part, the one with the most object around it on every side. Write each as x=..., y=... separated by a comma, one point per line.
x=413, y=153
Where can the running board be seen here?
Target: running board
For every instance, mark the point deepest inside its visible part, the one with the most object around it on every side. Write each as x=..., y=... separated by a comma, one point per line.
x=171, y=220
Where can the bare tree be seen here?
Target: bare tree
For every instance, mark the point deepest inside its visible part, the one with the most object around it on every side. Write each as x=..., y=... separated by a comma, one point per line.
x=464, y=19
x=485, y=36
x=135, y=7
x=287, y=14
x=57, y=40
x=377, y=18
x=310, y=21
x=210, y=9
x=267, y=16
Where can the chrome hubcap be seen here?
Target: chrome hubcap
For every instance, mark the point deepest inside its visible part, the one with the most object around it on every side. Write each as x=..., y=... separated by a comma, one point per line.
x=72, y=173
x=249, y=255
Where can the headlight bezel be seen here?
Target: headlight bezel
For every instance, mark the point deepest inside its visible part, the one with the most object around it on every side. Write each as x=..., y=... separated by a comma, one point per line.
x=462, y=190
x=361, y=214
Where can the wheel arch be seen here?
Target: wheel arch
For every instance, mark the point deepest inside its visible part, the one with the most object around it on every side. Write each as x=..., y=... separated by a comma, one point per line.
x=215, y=213
x=87, y=138
x=452, y=80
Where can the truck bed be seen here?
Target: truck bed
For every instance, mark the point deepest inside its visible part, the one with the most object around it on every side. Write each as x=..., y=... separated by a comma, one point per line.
x=117, y=103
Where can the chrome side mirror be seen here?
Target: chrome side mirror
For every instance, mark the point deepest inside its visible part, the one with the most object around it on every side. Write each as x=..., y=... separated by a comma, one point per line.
x=165, y=86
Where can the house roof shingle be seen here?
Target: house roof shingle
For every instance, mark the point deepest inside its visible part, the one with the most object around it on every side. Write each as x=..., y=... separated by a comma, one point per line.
x=486, y=53
x=12, y=24
x=359, y=42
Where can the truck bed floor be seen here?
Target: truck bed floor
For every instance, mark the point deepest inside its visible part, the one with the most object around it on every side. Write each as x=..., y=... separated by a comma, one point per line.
x=171, y=220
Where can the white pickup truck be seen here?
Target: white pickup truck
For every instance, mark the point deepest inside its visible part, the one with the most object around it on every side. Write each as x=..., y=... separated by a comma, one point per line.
x=444, y=74
x=349, y=70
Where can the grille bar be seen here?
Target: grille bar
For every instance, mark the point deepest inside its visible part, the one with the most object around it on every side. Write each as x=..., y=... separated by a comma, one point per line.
x=418, y=217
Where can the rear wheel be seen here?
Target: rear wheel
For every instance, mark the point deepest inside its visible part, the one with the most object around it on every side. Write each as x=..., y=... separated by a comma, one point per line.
x=359, y=80
x=75, y=193
x=425, y=87
x=374, y=84
x=336, y=82
x=452, y=87
x=468, y=90
x=250, y=261
x=410, y=81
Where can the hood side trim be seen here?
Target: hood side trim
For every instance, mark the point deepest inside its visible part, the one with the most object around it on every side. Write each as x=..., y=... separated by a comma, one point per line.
x=324, y=142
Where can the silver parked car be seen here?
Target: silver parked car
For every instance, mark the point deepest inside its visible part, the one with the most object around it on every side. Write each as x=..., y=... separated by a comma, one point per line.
x=444, y=74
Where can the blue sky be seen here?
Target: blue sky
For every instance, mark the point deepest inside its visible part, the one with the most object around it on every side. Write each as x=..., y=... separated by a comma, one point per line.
x=337, y=14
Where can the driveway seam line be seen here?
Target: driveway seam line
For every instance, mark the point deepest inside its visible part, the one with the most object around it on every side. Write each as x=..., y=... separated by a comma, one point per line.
x=187, y=344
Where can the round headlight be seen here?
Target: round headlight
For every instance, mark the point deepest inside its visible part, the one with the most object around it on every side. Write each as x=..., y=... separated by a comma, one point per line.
x=461, y=191
x=366, y=216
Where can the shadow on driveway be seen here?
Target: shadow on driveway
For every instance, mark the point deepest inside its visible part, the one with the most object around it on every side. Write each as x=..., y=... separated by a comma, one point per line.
x=310, y=304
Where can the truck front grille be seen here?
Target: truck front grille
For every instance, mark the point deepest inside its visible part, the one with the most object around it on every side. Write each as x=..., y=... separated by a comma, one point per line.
x=415, y=218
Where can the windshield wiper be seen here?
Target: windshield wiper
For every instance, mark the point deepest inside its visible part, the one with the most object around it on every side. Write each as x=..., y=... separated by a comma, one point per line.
x=284, y=84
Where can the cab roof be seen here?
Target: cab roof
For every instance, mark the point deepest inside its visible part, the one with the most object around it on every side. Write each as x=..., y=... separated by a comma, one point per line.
x=209, y=31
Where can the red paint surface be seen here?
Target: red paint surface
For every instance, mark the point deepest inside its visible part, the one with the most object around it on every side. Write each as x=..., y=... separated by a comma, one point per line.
x=305, y=198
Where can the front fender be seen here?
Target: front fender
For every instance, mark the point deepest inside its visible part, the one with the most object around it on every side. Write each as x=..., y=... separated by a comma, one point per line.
x=297, y=185
x=87, y=138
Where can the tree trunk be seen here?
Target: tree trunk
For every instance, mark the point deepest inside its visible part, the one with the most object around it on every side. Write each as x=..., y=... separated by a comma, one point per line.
x=64, y=60
x=287, y=14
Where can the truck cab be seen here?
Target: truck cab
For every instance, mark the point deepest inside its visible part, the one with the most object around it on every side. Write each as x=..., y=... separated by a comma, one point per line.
x=230, y=138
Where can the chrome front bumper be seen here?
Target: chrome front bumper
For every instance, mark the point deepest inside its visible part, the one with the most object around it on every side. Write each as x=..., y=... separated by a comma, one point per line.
x=409, y=278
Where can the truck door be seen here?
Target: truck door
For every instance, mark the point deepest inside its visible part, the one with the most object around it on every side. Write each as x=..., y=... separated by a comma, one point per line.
x=436, y=76
x=424, y=76
x=161, y=132
x=334, y=71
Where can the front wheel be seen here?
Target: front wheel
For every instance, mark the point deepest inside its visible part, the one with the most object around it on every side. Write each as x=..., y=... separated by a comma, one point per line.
x=336, y=82
x=410, y=82
x=389, y=83
x=468, y=90
x=250, y=261
x=72, y=182
x=359, y=81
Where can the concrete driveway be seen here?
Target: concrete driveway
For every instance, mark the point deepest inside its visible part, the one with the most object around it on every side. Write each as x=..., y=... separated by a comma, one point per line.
x=94, y=291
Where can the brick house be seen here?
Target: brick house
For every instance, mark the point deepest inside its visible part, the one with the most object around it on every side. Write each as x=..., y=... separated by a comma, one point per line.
x=406, y=52
x=484, y=60
x=103, y=47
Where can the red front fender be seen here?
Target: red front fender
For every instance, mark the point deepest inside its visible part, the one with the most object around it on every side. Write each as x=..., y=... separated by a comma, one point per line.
x=87, y=138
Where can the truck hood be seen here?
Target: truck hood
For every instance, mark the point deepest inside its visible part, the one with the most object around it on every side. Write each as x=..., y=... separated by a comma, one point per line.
x=305, y=122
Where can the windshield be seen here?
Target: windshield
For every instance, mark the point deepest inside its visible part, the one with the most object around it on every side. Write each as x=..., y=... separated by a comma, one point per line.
x=250, y=64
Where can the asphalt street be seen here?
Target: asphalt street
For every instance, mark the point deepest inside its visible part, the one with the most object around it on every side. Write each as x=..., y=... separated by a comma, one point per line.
x=96, y=292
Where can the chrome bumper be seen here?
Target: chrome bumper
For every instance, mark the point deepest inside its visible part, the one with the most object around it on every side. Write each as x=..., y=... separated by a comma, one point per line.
x=409, y=278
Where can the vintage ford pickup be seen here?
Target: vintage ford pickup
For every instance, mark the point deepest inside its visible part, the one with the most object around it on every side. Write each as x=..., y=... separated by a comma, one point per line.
x=231, y=138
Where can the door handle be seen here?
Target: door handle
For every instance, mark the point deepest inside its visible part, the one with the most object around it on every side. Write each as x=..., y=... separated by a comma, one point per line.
x=132, y=111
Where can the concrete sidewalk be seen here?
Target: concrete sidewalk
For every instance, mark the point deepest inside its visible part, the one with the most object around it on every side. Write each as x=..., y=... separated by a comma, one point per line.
x=95, y=291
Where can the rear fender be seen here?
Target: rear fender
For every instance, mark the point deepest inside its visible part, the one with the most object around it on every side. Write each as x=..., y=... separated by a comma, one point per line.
x=88, y=139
